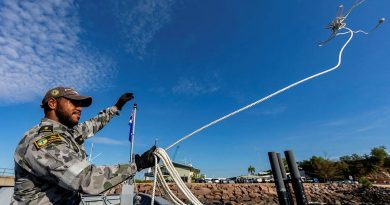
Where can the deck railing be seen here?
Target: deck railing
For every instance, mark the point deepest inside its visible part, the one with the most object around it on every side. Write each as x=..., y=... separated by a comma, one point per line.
x=6, y=172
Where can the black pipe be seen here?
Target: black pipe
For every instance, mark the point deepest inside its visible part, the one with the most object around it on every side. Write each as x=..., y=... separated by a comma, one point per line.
x=280, y=188
x=285, y=179
x=299, y=192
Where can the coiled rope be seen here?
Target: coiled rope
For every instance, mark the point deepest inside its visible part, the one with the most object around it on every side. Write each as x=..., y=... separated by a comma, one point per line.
x=163, y=156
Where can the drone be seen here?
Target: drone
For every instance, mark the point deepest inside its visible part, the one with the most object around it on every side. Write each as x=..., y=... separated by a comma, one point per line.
x=338, y=23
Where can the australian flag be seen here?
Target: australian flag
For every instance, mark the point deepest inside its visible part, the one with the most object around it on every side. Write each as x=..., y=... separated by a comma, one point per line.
x=131, y=124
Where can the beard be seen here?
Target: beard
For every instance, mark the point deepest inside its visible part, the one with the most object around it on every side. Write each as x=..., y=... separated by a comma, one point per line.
x=65, y=118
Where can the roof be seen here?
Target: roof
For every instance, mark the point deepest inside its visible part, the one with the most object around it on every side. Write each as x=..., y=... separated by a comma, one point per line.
x=184, y=166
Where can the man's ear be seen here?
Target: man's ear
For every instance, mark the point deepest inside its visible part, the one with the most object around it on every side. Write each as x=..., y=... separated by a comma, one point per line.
x=52, y=103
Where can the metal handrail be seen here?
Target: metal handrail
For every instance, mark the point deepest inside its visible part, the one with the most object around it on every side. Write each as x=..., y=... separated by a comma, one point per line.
x=6, y=172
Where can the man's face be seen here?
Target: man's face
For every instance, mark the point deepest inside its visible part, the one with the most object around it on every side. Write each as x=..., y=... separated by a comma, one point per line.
x=68, y=112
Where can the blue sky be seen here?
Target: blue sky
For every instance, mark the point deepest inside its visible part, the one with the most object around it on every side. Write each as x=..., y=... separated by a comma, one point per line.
x=191, y=62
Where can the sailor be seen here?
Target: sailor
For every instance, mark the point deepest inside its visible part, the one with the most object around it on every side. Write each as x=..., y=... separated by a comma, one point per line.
x=51, y=166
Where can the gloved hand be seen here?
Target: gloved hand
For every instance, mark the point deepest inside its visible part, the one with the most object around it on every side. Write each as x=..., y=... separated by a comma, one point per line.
x=123, y=100
x=146, y=160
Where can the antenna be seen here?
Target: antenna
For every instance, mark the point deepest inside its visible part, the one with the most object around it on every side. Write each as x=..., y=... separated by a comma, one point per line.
x=90, y=159
x=174, y=155
x=95, y=157
x=90, y=153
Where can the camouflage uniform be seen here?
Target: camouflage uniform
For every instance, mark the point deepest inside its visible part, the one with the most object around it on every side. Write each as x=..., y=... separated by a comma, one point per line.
x=51, y=166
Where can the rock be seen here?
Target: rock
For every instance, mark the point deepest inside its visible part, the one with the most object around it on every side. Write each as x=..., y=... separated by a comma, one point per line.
x=246, y=198
x=226, y=196
x=254, y=195
x=203, y=191
x=266, y=193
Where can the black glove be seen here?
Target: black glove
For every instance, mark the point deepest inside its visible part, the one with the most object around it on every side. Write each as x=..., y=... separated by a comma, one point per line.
x=123, y=100
x=146, y=160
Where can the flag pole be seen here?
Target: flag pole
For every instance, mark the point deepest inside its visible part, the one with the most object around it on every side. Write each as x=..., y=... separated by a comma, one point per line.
x=132, y=130
x=128, y=193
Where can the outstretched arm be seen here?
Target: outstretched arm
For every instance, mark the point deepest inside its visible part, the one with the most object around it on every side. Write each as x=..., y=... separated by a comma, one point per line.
x=93, y=125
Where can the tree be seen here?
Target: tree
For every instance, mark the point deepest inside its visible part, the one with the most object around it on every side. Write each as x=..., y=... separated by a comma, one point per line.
x=386, y=164
x=307, y=167
x=322, y=168
x=197, y=175
x=284, y=160
x=251, y=169
x=343, y=170
x=354, y=165
x=378, y=155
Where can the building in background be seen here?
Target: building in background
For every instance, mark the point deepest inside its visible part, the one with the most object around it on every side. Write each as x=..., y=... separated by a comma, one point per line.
x=186, y=172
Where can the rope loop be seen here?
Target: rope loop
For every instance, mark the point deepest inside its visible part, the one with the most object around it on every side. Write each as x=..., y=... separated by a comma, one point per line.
x=161, y=154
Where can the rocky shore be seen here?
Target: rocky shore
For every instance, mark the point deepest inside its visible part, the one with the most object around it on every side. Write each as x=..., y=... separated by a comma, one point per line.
x=266, y=193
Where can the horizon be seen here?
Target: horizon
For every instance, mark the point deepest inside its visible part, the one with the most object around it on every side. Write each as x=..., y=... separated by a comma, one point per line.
x=189, y=63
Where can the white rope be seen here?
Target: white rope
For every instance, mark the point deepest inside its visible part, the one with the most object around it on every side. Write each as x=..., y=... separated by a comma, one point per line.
x=269, y=96
x=176, y=176
x=167, y=190
x=163, y=156
x=154, y=181
x=358, y=31
x=158, y=177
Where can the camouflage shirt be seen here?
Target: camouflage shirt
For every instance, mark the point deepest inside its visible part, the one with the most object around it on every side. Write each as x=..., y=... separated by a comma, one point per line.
x=51, y=166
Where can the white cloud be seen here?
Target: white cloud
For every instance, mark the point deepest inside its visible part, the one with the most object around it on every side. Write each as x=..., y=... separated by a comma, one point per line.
x=274, y=110
x=361, y=123
x=107, y=141
x=40, y=48
x=336, y=123
x=141, y=23
x=366, y=120
x=368, y=127
x=194, y=87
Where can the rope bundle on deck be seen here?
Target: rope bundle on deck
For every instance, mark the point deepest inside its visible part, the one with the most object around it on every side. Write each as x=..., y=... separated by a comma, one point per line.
x=159, y=178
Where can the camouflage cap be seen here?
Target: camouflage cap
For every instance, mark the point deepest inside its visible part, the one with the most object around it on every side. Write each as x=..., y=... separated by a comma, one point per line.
x=68, y=93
